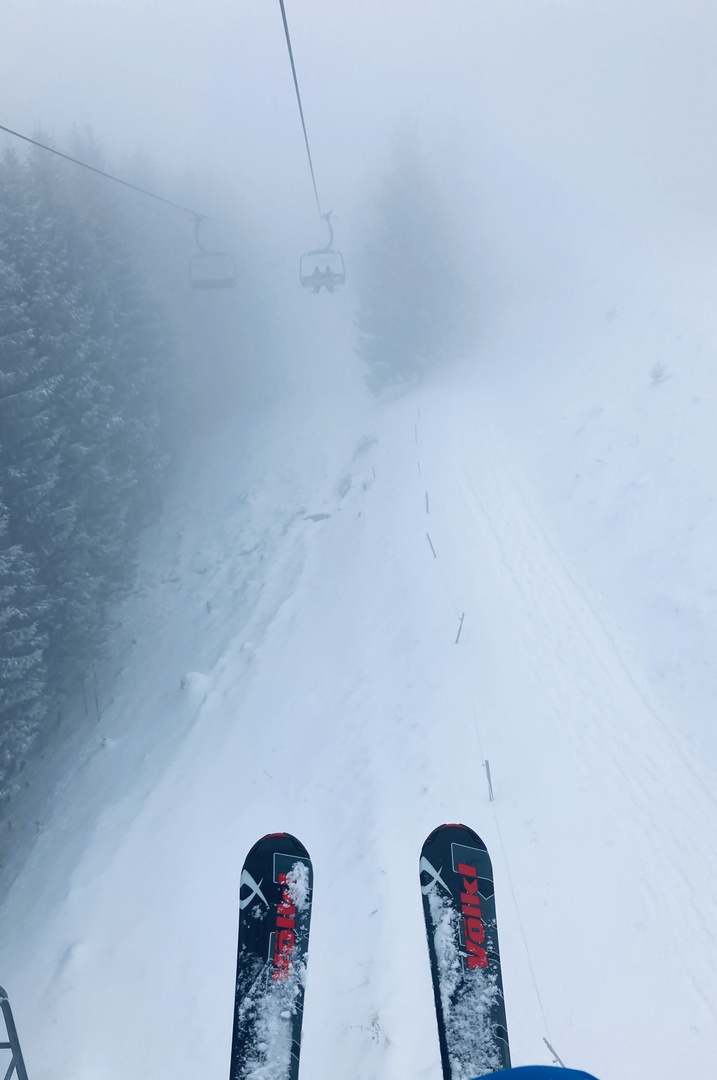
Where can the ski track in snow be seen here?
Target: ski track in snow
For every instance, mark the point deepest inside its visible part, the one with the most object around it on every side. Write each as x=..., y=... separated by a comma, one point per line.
x=324, y=694
x=569, y=723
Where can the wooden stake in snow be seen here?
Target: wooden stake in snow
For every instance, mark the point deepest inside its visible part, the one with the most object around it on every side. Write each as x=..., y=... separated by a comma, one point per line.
x=556, y=1059
x=426, y=502
x=428, y=538
x=97, y=695
x=460, y=627
x=486, y=766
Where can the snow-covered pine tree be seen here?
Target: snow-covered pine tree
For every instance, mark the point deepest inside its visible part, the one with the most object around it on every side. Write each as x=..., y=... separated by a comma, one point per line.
x=109, y=353
x=28, y=447
x=23, y=698
x=82, y=348
x=410, y=282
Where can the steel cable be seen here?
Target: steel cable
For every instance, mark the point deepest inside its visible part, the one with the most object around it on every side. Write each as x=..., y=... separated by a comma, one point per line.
x=301, y=108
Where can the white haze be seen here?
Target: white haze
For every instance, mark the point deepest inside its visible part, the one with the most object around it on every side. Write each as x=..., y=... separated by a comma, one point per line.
x=564, y=133
x=551, y=124
x=609, y=102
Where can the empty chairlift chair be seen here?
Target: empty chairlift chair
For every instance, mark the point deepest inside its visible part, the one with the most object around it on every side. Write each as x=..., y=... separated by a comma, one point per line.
x=211, y=269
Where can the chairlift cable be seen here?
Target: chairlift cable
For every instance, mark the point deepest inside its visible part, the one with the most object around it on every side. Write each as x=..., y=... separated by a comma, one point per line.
x=101, y=172
x=301, y=109
x=208, y=269
x=331, y=272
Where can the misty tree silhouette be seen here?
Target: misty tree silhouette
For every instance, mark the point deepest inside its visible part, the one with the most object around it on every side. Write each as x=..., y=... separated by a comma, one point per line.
x=410, y=282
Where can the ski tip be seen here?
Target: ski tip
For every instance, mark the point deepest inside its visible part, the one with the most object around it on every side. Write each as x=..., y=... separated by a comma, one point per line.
x=467, y=832
x=285, y=839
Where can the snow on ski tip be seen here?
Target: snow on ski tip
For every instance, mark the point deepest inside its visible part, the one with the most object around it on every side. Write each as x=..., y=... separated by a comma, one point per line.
x=275, y=893
x=459, y=909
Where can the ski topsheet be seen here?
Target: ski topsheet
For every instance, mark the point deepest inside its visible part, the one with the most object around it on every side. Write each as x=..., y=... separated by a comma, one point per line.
x=459, y=908
x=274, y=915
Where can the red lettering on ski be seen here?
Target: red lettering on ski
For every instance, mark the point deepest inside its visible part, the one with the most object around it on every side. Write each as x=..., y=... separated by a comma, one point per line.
x=473, y=928
x=477, y=956
x=284, y=935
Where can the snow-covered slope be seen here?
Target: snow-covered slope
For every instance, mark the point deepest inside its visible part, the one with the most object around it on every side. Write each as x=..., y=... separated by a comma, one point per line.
x=290, y=663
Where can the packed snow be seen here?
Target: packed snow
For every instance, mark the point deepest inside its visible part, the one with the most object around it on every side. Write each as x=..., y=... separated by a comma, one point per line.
x=291, y=660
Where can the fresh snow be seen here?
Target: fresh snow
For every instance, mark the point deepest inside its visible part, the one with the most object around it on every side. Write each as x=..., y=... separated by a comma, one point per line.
x=288, y=661
x=467, y=1013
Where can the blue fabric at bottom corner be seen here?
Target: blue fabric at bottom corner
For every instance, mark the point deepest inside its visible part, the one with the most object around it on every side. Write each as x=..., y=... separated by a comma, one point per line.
x=539, y=1072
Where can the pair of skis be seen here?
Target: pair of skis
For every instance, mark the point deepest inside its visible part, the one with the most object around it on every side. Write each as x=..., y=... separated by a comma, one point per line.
x=459, y=908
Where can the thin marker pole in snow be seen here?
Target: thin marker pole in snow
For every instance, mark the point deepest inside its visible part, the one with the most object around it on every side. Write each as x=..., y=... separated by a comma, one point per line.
x=486, y=766
x=460, y=627
x=556, y=1059
x=374, y=471
x=418, y=410
x=428, y=538
x=97, y=696
x=419, y=467
x=426, y=502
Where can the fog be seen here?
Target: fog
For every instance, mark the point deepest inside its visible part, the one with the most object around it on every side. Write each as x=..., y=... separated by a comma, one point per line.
x=606, y=105
x=285, y=653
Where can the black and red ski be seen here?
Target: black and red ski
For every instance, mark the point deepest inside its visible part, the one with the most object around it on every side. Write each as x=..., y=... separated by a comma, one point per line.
x=459, y=908
x=274, y=915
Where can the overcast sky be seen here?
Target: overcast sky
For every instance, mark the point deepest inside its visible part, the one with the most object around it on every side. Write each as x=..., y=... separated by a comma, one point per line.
x=610, y=103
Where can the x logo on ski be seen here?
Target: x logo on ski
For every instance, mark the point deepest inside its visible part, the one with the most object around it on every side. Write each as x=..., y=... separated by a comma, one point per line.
x=435, y=876
x=247, y=879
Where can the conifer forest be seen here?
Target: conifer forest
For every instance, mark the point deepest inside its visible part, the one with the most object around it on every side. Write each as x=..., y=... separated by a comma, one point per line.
x=85, y=350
